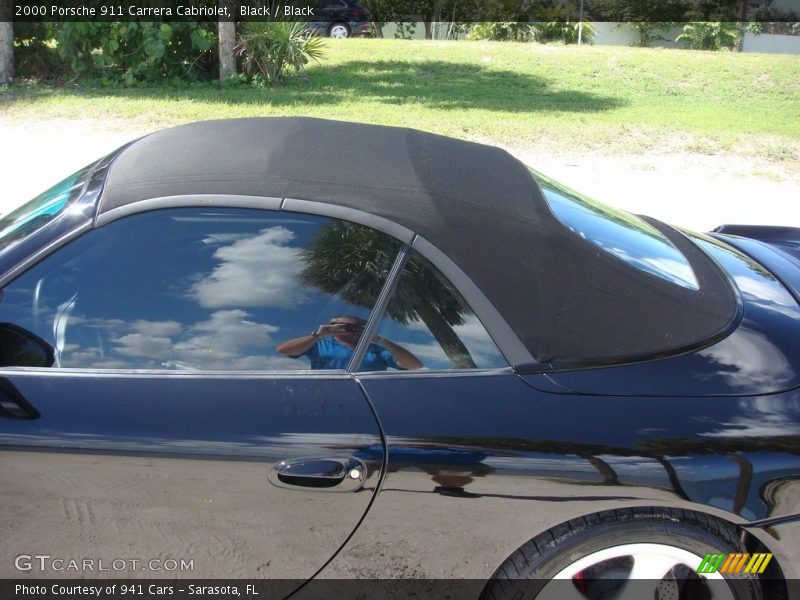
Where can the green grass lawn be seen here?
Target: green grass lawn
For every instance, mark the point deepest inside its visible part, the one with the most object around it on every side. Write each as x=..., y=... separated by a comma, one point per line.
x=608, y=99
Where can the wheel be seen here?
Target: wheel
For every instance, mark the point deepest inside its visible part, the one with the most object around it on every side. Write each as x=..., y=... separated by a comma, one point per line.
x=339, y=31
x=626, y=554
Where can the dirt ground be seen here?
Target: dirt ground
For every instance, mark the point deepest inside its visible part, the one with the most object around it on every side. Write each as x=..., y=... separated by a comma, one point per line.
x=698, y=191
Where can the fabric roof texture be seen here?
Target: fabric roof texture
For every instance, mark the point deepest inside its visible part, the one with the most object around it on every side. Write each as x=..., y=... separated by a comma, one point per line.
x=571, y=303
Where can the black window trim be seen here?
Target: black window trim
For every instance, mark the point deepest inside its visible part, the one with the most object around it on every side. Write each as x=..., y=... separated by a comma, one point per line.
x=506, y=341
x=377, y=312
x=43, y=253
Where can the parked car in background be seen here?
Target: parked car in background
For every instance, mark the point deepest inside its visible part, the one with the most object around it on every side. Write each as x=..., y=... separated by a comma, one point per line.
x=288, y=347
x=340, y=19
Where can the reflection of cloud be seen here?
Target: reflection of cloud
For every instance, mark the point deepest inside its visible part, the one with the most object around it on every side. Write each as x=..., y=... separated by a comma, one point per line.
x=256, y=271
x=623, y=235
x=92, y=358
x=157, y=328
x=150, y=339
x=672, y=268
x=471, y=333
x=224, y=334
x=220, y=342
x=227, y=340
x=764, y=363
x=139, y=344
x=767, y=295
x=765, y=416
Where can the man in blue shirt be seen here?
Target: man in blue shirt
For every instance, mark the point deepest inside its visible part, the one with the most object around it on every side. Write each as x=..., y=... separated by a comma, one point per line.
x=331, y=346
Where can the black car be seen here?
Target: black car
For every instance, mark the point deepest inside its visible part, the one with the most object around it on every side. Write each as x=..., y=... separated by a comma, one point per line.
x=294, y=348
x=340, y=19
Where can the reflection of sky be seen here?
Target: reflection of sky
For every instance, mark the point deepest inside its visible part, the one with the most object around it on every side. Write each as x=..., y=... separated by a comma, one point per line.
x=762, y=416
x=757, y=353
x=267, y=446
x=747, y=358
x=626, y=237
x=260, y=270
x=543, y=465
x=215, y=289
x=204, y=290
x=417, y=339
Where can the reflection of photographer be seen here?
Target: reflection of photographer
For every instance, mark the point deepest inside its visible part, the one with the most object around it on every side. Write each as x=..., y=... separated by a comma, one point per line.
x=330, y=346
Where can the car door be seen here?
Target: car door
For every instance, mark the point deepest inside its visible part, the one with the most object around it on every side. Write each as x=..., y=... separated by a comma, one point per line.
x=171, y=438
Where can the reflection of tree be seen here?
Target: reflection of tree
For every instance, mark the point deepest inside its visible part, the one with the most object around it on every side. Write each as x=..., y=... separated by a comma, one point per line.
x=662, y=450
x=788, y=444
x=352, y=262
x=653, y=447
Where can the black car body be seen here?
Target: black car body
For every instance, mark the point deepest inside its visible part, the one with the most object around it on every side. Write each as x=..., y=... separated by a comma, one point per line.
x=340, y=19
x=591, y=380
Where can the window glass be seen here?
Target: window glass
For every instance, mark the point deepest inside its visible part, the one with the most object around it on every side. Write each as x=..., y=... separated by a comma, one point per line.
x=211, y=289
x=428, y=321
x=619, y=233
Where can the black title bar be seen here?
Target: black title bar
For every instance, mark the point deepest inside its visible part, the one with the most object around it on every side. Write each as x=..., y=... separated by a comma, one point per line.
x=663, y=11
x=323, y=589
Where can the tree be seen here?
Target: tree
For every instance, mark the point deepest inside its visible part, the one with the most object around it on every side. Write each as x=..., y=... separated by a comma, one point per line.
x=6, y=42
x=352, y=262
x=6, y=51
x=379, y=13
x=640, y=12
x=432, y=16
x=226, y=30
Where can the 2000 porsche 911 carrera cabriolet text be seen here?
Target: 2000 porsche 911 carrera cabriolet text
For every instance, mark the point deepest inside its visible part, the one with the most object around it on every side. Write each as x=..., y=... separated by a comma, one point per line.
x=296, y=349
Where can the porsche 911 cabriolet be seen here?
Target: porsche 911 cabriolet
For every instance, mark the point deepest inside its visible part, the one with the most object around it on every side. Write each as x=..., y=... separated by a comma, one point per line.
x=295, y=349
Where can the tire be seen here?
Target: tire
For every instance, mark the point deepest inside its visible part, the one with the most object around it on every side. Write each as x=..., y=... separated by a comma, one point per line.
x=339, y=31
x=629, y=553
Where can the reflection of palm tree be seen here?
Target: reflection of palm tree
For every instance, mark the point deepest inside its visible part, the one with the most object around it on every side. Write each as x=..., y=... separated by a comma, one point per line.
x=352, y=262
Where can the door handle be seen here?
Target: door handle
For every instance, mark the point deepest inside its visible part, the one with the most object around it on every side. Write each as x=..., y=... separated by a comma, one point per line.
x=331, y=474
x=13, y=405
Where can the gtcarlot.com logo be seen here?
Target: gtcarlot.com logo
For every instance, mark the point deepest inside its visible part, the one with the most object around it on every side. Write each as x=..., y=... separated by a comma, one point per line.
x=735, y=563
x=45, y=562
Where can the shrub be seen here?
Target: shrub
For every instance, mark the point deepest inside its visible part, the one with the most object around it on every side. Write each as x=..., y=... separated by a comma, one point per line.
x=710, y=35
x=557, y=31
x=117, y=52
x=501, y=31
x=272, y=47
x=35, y=53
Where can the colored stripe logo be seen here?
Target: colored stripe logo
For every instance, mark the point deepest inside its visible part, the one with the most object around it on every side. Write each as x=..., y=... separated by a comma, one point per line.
x=740, y=562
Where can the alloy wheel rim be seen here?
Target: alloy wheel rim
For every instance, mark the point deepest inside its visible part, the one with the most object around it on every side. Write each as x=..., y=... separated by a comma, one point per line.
x=635, y=571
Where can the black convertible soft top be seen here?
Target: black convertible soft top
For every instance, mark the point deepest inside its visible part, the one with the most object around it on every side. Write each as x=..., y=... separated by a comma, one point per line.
x=570, y=303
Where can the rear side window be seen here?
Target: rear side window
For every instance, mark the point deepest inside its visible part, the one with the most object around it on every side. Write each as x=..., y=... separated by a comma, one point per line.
x=621, y=234
x=428, y=318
